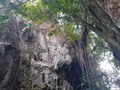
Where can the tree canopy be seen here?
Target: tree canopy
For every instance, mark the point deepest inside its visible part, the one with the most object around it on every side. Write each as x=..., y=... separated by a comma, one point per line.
x=83, y=21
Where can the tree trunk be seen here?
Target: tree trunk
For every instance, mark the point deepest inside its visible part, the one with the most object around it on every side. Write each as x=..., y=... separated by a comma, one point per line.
x=87, y=64
x=105, y=27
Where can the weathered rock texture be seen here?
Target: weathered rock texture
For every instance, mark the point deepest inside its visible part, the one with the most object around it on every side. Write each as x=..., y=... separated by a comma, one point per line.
x=33, y=60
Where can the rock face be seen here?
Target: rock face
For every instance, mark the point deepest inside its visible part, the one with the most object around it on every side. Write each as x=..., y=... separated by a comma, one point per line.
x=34, y=60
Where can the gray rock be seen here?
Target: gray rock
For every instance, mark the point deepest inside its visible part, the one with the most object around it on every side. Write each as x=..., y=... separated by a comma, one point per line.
x=35, y=60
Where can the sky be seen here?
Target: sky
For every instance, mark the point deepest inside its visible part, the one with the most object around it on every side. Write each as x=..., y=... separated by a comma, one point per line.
x=109, y=68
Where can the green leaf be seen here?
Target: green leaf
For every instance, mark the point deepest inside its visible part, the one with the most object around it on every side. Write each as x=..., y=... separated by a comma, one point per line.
x=97, y=84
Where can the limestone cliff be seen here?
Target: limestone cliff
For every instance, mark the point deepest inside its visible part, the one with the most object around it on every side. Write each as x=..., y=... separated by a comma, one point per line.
x=36, y=61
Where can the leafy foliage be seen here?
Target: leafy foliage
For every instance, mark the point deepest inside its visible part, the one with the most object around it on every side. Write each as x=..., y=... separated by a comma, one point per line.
x=7, y=7
x=70, y=32
x=69, y=15
x=33, y=10
x=97, y=46
x=3, y=2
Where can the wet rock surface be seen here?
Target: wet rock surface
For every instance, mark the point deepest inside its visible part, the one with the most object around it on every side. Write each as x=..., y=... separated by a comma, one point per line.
x=34, y=60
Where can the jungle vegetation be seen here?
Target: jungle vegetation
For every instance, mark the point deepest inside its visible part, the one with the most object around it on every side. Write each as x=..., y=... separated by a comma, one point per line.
x=85, y=23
